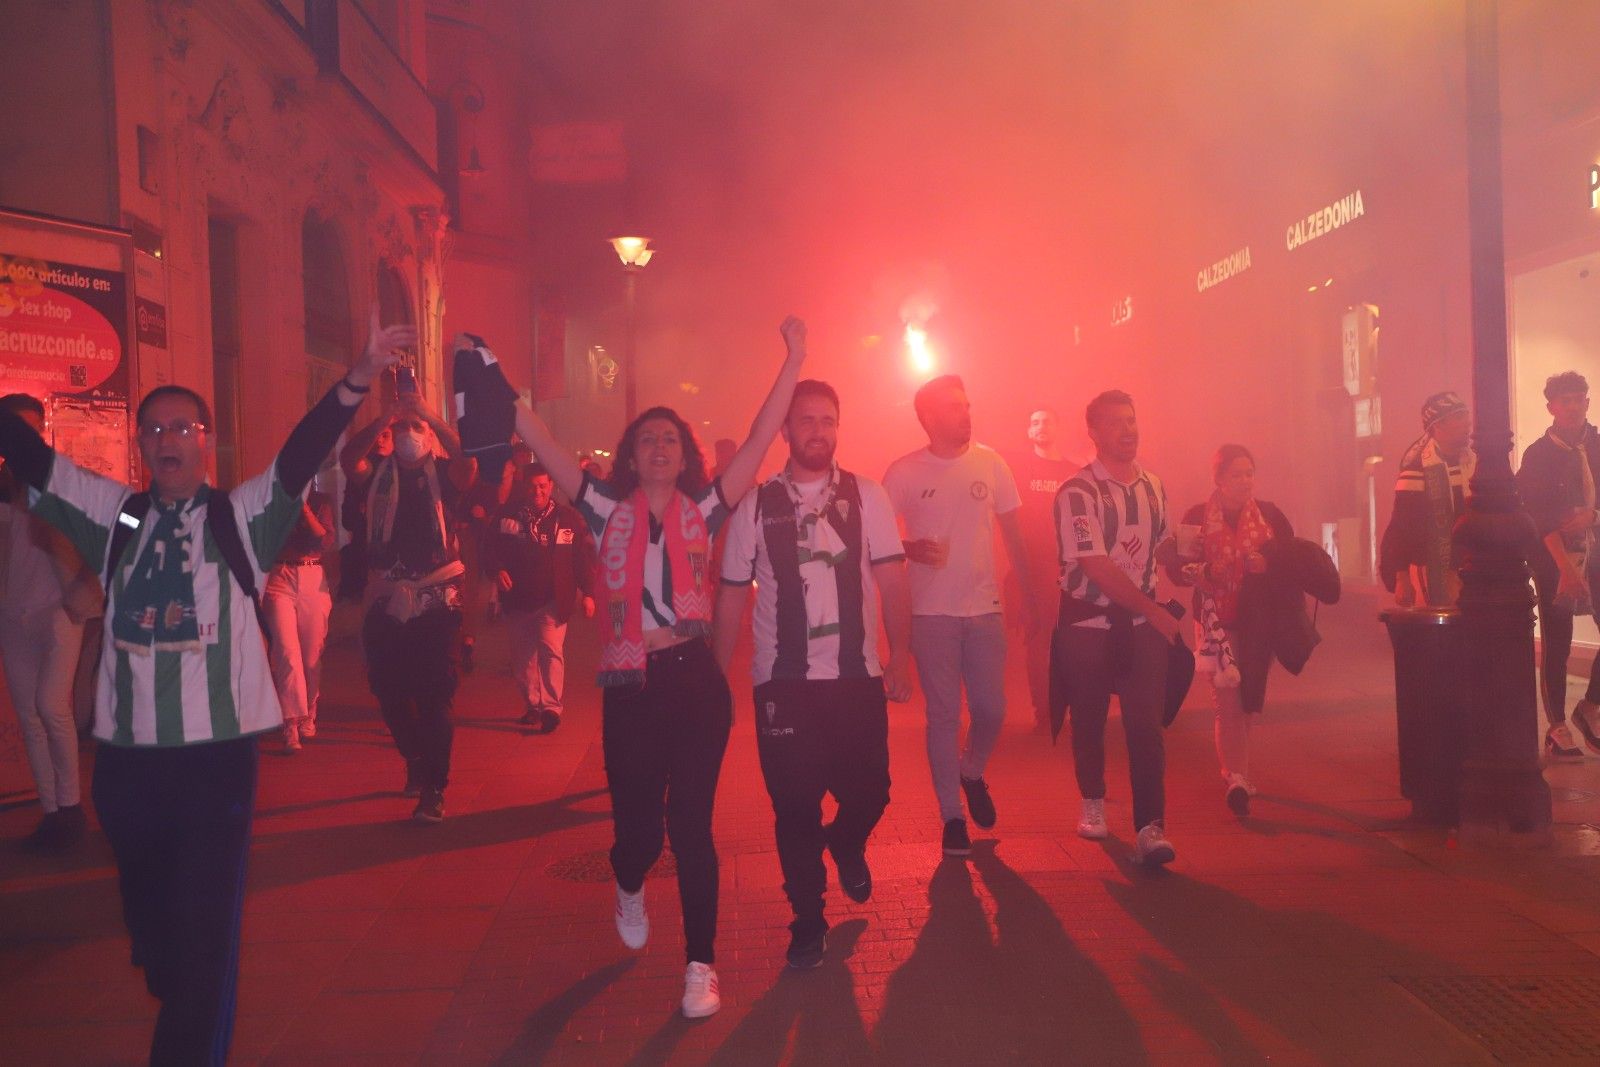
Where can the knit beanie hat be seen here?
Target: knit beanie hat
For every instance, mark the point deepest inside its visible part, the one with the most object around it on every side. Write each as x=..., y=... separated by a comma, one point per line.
x=1439, y=406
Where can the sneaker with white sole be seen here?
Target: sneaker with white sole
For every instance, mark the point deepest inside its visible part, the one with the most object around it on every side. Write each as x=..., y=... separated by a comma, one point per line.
x=308, y=727
x=1559, y=743
x=700, y=994
x=633, y=924
x=1092, y=822
x=1154, y=848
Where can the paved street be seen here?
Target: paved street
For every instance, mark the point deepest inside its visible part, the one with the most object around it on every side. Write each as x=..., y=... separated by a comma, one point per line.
x=1320, y=930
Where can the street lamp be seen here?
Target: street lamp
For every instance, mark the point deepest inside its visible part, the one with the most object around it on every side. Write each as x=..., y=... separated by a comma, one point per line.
x=1503, y=793
x=634, y=252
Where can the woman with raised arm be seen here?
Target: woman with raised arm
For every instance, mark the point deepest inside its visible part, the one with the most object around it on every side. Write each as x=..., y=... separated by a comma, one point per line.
x=667, y=707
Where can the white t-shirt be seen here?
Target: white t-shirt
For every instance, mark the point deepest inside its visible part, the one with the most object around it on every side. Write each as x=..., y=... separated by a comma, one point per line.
x=821, y=549
x=953, y=500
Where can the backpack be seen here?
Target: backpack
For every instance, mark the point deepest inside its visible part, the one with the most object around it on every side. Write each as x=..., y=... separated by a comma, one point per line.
x=224, y=527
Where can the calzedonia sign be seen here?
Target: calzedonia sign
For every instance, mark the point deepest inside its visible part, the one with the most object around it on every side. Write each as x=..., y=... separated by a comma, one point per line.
x=1223, y=269
x=1325, y=220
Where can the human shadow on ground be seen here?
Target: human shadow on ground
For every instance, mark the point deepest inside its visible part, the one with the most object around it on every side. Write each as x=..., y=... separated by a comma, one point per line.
x=90, y=907
x=807, y=1016
x=1267, y=961
x=541, y=1029
x=1021, y=994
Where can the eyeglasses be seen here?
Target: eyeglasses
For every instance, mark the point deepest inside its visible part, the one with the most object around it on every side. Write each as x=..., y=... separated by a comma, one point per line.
x=183, y=430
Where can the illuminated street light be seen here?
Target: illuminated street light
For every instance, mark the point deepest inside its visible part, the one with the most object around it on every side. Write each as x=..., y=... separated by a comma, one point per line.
x=918, y=351
x=634, y=252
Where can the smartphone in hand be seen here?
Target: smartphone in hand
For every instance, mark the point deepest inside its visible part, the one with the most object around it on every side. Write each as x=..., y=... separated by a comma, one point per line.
x=405, y=380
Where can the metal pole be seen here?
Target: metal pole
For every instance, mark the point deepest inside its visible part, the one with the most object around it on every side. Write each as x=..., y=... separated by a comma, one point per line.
x=630, y=397
x=1503, y=792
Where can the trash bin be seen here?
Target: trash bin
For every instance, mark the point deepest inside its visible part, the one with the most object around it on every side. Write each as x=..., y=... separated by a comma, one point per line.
x=1430, y=682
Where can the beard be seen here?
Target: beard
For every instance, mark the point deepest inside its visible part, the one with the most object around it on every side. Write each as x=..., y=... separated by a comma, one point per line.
x=813, y=455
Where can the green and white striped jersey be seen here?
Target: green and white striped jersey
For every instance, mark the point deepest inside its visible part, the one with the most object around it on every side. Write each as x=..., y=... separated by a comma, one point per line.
x=220, y=691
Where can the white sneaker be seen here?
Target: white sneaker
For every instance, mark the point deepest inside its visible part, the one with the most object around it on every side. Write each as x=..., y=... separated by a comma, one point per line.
x=632, y=923
x=308, y=727
x=700, y=994
x=1559, y=744
x=1154, y=848
x=1092, y=823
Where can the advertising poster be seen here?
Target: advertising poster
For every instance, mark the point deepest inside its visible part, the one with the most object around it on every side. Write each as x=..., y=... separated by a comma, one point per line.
x=63, y=329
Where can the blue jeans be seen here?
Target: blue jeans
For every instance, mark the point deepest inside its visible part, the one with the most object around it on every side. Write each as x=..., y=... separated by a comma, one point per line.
x=952, y=650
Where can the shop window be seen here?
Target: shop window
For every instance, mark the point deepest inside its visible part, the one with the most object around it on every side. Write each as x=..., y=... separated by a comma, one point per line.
x=329, y=333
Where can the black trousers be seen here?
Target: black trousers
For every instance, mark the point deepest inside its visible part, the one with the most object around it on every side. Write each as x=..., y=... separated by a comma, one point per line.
x=815, y=737
x=1137, y=674
x=1555, y=644
x=663, y=744
x=179, y=822
x=412, y=670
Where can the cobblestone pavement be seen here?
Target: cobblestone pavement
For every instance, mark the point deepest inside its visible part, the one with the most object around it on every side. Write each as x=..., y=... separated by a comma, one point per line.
x=1322, y=929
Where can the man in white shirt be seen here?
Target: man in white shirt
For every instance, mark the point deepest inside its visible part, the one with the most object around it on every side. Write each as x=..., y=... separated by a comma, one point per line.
x=1112, y=636
x=949, y=496
x=821, y=547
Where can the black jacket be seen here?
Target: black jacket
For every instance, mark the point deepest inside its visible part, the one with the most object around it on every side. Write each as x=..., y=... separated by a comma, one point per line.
x=509, y=547
x=1549, y=483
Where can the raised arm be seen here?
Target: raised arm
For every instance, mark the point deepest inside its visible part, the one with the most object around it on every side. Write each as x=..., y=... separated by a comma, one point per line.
x=353, y=456
x=315, y=435
x=561, y=464
x=742, y=469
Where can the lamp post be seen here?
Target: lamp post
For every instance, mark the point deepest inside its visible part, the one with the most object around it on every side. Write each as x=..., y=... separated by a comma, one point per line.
x=1504, y=796
x=634, y=252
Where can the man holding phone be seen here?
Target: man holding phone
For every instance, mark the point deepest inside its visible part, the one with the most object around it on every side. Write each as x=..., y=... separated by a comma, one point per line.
x=414, y=584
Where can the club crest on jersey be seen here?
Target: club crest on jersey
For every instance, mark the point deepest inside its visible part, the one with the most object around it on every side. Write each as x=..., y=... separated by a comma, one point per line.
x=980, y=490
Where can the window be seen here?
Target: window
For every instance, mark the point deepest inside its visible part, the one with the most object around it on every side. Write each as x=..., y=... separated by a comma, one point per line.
x=394, y=299
x=329, y=333
x=226, y=346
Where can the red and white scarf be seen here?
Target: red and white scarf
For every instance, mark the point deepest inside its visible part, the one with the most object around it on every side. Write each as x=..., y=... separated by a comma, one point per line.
x=1228, y=549
x=687, y=544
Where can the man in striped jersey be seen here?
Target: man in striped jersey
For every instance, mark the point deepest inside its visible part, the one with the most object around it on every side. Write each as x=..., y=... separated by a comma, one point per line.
x=185, y=687
x=821, y=546
x=1112, y=636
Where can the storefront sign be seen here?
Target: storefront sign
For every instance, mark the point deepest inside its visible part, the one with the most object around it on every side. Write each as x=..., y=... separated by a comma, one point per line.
x=150, y=322
x=1324, y=221
x=1122, y=311
x=1594, y=187
x=62, y=328
x=1223, y=269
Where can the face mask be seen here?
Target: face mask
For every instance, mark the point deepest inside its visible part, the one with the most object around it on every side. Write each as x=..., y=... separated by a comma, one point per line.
x=410, y=446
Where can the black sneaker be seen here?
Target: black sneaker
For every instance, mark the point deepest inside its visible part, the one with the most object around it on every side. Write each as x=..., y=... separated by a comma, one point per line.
x=855, y=877
x=46, y=835
x=413, y=786
x=530, y=717
x=808, y=943
x=1238, y=800
x=430, y=808
x=979, y=804
x=956, y=841
x=548, y=721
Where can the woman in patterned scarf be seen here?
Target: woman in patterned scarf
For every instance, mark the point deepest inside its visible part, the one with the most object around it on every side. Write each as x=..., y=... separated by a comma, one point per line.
x=1221, y=557
x=667, y=708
